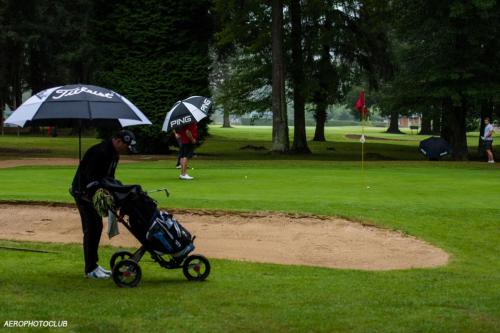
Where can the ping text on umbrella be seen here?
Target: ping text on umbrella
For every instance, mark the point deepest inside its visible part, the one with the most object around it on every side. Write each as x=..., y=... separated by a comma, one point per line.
x=177, y=122
x=206, y=105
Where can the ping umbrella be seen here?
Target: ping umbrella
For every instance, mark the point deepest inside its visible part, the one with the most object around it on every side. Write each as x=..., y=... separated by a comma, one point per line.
x=188, y=111
x=77, y=105
x=434, y=148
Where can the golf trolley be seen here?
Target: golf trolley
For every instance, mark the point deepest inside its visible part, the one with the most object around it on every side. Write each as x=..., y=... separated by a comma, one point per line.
x=160, y=235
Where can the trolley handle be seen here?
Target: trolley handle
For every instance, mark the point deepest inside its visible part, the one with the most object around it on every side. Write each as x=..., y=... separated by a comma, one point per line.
x=167, y=193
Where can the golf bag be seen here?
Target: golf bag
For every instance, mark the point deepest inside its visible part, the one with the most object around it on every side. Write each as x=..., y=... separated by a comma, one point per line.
x=166, y=235
x=157, y=229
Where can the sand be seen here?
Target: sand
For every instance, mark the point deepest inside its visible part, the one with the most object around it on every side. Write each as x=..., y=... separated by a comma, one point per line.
x=260, y=237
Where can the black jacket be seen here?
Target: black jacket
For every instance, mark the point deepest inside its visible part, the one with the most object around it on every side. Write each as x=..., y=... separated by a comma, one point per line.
x=99, y=161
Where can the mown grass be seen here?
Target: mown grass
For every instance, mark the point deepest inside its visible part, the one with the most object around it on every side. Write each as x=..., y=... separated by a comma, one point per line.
x=249, y=142
x=451, y=205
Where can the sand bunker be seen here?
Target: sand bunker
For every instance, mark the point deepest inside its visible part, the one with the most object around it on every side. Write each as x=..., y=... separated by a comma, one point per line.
x=262, y=237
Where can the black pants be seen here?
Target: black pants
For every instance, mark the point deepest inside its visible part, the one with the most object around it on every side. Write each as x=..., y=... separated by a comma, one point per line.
x=186, y=150
x=92, y=229
x=179, y=153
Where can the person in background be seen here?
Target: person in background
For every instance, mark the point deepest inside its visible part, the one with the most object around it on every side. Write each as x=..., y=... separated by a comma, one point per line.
x=488, y=139
x=99, y=161
x=189, y=137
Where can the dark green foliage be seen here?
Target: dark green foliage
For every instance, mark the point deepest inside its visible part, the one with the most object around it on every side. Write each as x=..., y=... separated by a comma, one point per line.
x=449, y=48
x=342, y=43
x=152, y=52
x=243, y=47
x=447, y=54
x=155, y=53
x=242, y=83
x=45, y=43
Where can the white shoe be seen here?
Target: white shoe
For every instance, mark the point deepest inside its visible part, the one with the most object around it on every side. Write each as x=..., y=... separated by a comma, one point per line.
x=97, y=274
x=105, y=271
x=491, y=161
x=186, y=177
x=177, y=166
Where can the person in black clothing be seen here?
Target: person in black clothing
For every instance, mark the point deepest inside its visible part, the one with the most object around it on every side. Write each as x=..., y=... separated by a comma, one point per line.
x=99, y=161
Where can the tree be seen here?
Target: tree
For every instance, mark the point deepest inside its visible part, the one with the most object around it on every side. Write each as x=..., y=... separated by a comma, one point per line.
x=160, y=57
x=241, y=84
x=448, y=50
x=328, y=57
x=348, y=45
x=38, y=51
x=297, y=70
x=328, y=42
x=280, y=124
x=14, y=35
x=246, y=33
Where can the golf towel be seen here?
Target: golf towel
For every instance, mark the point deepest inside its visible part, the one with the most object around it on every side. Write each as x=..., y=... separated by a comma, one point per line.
x=112, y=225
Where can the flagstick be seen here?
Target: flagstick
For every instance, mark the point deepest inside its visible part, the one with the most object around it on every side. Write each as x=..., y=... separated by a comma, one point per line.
x=361, y=107
x=362, y=147
x=363, y=150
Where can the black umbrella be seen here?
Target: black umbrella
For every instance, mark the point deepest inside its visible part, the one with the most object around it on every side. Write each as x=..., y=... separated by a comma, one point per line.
x=77, y=104
x=188, y=111
x=434, y=148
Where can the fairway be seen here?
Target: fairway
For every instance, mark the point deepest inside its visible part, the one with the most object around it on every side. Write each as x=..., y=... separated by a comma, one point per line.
x=441, y=203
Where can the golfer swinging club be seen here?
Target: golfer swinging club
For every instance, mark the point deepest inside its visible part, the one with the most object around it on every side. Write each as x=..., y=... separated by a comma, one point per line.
x=99, y=161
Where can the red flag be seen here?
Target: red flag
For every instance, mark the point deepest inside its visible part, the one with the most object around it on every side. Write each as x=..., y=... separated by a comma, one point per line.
x=360, y=104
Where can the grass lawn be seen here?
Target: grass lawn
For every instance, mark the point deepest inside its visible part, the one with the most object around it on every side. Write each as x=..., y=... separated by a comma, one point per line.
x=451, y=205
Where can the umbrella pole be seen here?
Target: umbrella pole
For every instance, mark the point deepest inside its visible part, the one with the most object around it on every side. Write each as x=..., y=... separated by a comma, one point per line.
x=79, y=155
x=80, y=141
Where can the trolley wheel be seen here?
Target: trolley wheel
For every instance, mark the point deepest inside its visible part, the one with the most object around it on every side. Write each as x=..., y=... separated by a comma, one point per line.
x=121, y=255
x=196, y=268
x=127, y=273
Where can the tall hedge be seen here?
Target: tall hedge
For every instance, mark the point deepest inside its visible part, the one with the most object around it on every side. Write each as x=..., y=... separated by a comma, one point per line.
x=155, y=53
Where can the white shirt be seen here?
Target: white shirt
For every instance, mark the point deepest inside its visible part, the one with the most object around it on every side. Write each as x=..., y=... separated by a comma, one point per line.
x=487, y=131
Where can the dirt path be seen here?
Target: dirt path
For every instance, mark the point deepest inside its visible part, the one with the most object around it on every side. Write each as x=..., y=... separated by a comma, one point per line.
x=263, y=237
x=38, y=161
x=51, y=161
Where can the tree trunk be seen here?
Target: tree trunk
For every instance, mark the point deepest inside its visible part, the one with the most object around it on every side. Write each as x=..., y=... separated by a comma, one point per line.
x=320, y=116
x=445, y=132
x=426, y=127
x=394, y=124
x=281, y=142
x=226, y=123
x=327, y=83
x=436, y=121
x=299, y=121
x=454, y=130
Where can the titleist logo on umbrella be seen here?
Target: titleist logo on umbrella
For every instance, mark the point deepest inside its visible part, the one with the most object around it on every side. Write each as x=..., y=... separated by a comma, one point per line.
x=76, y=91
x=177, y=122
